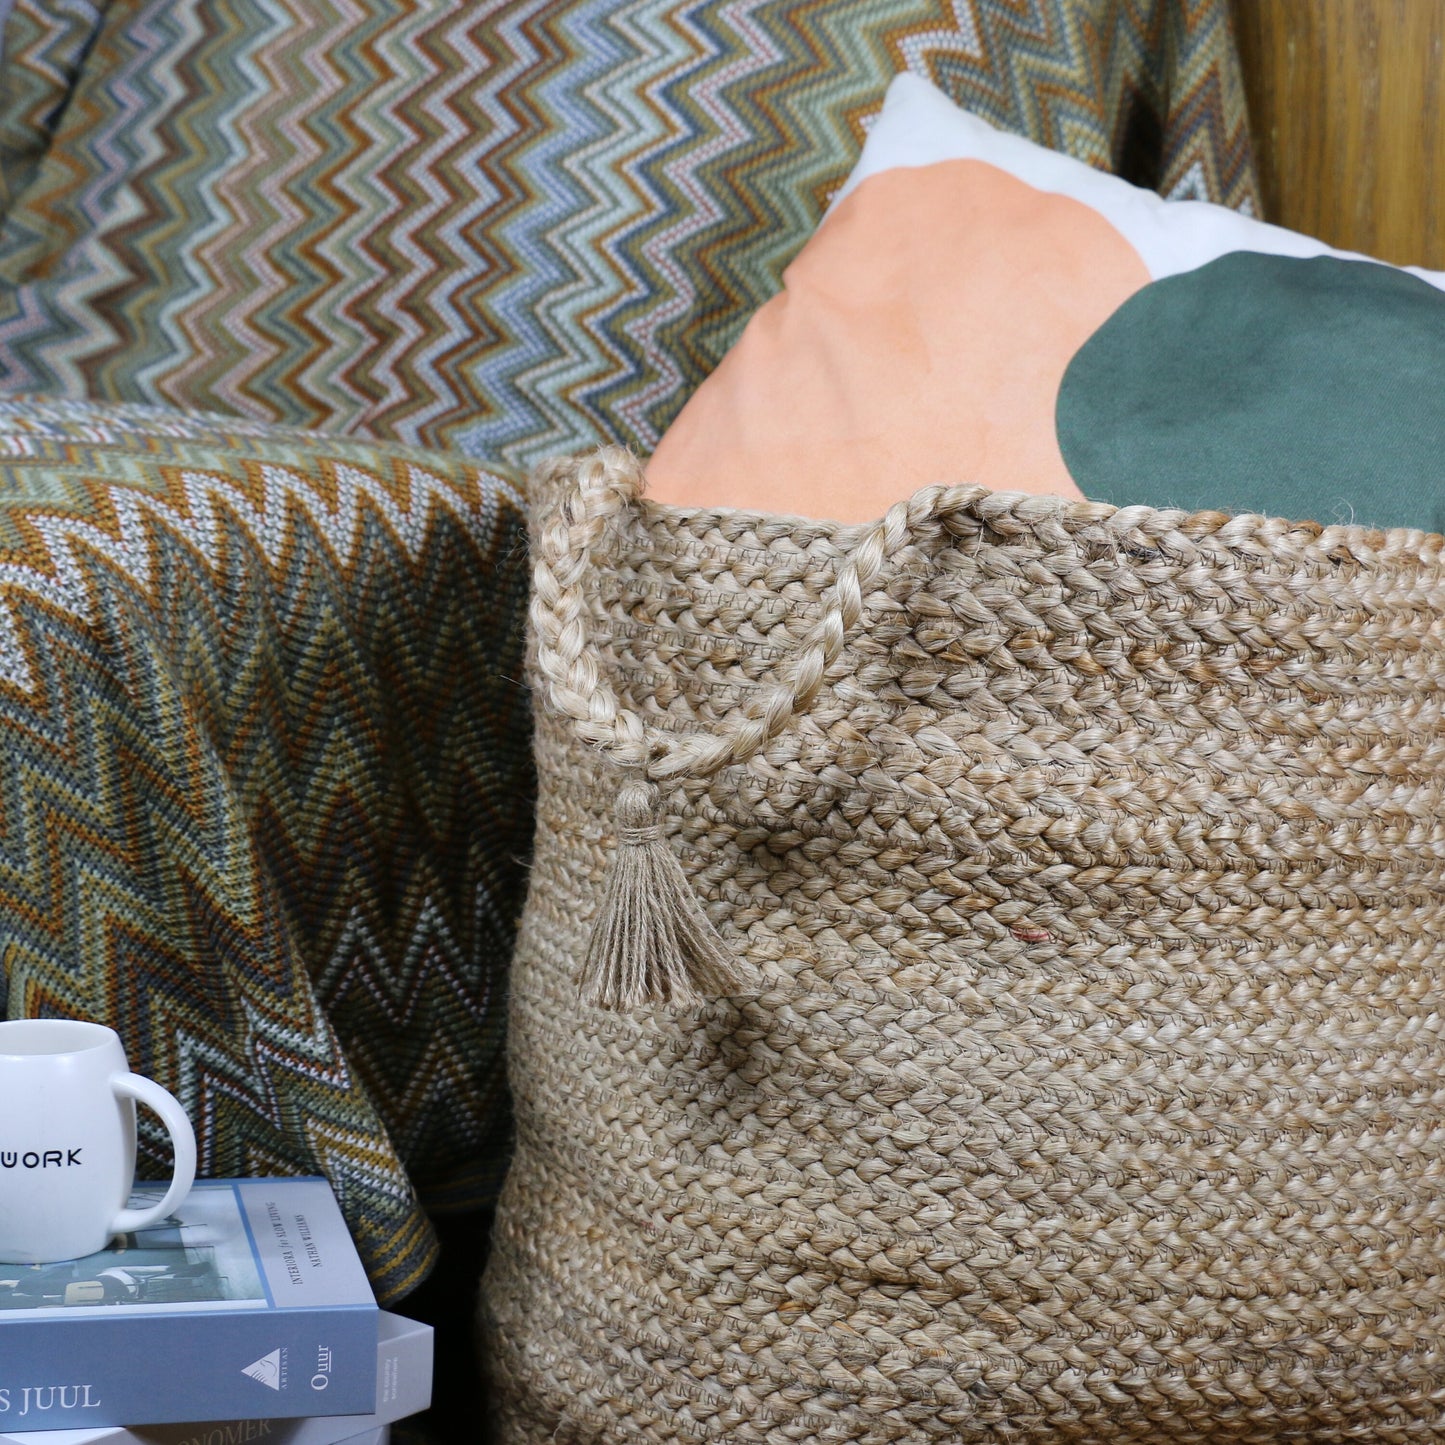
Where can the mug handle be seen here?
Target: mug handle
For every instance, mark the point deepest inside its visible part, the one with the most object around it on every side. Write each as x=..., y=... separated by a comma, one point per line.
x=183, y=1142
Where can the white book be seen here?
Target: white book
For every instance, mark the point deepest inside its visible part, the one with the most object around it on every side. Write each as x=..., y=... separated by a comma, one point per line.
x=403, y=1387
x=222, y=1432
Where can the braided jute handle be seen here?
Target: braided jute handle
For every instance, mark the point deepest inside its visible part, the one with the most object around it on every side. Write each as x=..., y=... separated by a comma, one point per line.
x=651, y=940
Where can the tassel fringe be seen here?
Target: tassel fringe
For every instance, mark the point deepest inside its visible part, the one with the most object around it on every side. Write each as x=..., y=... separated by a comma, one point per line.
x=651, y=941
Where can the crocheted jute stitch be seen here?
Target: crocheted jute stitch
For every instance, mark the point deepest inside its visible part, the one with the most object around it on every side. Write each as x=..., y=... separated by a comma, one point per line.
x=1081, y=872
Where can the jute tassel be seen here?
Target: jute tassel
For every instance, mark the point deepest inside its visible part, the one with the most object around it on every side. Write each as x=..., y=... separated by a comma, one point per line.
x=651, y=941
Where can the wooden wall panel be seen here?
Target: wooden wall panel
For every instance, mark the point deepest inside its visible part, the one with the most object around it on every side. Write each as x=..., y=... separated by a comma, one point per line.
x=1347, y=107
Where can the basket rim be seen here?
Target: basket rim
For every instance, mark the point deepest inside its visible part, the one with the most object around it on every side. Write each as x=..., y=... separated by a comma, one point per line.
x=1173, y=530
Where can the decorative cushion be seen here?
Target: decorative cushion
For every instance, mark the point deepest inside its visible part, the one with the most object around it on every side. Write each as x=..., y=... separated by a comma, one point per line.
x=979, y=308
x=517, y=228
x=267, y=789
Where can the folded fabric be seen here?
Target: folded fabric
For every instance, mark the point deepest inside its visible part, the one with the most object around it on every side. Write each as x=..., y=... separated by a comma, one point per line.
x=42, y=47
x=978, y=308
x=266, y=791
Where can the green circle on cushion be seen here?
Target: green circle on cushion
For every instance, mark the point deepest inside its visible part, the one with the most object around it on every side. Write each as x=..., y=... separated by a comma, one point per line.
x=1307, y=389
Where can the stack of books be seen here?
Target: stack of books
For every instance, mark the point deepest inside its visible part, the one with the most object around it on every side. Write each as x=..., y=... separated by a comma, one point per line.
x=246, y=1316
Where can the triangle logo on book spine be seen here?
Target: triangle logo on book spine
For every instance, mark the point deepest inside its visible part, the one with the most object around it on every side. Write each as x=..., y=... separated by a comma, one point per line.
x=266, y=1370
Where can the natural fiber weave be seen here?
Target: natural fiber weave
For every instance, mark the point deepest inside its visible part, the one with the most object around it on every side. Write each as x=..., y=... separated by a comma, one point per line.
x=1094, y=1087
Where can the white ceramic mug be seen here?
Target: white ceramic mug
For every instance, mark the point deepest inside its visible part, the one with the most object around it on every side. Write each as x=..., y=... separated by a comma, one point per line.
x=67, y=1141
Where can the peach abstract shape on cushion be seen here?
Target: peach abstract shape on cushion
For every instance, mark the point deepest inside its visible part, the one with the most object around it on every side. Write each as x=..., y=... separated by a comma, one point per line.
x=920, y=337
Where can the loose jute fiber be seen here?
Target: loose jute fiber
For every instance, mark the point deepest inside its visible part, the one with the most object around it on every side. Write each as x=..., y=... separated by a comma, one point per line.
x=982, y=979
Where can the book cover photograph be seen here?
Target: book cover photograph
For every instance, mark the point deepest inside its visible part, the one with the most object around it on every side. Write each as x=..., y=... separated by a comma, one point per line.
x=248, y=1300
x=201, y=1255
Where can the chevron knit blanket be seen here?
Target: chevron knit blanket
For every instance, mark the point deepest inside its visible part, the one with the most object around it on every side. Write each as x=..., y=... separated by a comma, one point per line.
x=263, y=791
x=515, y=228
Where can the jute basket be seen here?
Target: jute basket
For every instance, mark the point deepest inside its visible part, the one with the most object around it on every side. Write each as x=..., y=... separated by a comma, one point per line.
x=1060, y=899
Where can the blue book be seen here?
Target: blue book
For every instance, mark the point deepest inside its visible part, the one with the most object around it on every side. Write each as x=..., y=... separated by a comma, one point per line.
x=249, y=1302
x=403, y=1386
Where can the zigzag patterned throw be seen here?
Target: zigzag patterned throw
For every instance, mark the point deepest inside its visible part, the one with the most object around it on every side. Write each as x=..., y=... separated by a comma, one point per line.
x=43, y=48
x=266, y=786
x=521, y=226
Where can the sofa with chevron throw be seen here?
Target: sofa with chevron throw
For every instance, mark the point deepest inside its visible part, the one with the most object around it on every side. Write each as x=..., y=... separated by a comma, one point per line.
x=292, y=292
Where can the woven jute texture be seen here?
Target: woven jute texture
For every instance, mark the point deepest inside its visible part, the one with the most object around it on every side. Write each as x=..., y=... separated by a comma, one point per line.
x=1090, y=866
